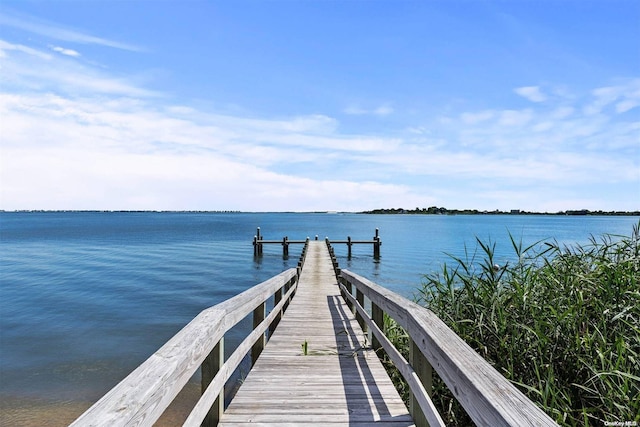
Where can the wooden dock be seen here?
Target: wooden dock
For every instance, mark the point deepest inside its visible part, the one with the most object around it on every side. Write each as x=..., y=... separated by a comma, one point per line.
x=338, y=382
x=317, y=367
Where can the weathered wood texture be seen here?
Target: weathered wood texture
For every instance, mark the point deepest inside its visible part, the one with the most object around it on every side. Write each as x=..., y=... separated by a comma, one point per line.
x=485, y=394
x=143, y=396
x=339, y=382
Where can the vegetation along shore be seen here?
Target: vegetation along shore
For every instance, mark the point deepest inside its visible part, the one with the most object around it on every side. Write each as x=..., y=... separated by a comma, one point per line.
x=434, y=210
x=561, y=323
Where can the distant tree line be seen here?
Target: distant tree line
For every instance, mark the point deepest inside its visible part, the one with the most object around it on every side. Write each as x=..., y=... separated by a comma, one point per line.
x=434, y=210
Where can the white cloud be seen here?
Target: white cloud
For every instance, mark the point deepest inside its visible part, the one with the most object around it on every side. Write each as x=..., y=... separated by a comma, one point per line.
x=532, y=93
x=64, y=51
x=87, y=153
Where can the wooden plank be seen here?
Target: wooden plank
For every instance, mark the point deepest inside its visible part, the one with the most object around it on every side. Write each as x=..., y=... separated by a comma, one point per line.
x=339, y=382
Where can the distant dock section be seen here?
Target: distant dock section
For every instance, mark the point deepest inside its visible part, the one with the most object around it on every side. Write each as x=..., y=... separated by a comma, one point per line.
x=259, y=241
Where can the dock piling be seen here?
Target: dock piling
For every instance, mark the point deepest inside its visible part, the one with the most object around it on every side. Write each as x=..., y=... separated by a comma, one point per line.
x=285, y=247
x=257, y=243
x=376, y=245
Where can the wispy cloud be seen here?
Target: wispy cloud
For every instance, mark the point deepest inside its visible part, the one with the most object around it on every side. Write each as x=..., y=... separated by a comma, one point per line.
x=382, y=110
x=26, y=67
x=515, y=117
x=532, y=93
x=57, y=32
x=6, y=46
x=477, y=117
x=622, y=97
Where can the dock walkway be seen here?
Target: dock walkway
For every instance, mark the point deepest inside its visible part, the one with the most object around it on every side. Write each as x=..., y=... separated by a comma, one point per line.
x=339, y=382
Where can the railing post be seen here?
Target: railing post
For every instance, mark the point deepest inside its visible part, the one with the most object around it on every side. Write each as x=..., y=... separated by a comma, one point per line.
x=377, y=315
x=303, y=255
x=361, y=322
x=277, y=297
x=424, y=372
x=349, y=288
x=287, y=286
x=258, y=317
x=209, y=368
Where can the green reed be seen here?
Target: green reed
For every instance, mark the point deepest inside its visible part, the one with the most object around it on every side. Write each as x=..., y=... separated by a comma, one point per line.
x=561, y=323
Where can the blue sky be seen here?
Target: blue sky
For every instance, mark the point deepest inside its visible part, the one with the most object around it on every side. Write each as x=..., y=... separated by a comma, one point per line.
x=320, y=105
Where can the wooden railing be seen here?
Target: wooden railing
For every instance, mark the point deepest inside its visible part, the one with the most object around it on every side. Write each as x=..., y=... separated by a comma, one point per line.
x=142, y=397
x=487, y=396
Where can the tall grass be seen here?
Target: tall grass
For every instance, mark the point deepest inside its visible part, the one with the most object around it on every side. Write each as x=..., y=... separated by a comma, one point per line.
x=561, y=323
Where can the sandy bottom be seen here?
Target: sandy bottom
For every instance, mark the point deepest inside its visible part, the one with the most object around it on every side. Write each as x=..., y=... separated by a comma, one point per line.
x=16, y=412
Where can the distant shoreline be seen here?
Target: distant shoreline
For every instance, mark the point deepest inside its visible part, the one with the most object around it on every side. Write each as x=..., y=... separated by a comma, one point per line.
x=383, y=211
x=444, y=211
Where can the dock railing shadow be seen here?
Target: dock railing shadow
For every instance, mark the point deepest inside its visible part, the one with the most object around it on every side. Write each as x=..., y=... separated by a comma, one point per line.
x=354, y=356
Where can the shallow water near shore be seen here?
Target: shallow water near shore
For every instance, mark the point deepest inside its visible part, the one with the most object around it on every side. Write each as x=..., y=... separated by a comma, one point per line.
x=87, y=296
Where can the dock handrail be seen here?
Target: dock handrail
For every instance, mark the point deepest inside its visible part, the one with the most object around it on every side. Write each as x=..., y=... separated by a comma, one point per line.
x=487, y=396
x=142, y=397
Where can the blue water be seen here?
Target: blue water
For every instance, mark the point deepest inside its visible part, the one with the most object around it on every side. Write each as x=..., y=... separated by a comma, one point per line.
x=86, y=297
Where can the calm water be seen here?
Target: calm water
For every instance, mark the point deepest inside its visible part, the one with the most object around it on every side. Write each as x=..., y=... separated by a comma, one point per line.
x=86, y=297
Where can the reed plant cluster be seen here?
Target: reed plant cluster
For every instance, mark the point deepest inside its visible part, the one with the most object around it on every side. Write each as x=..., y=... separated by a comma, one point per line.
x=561, y=323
